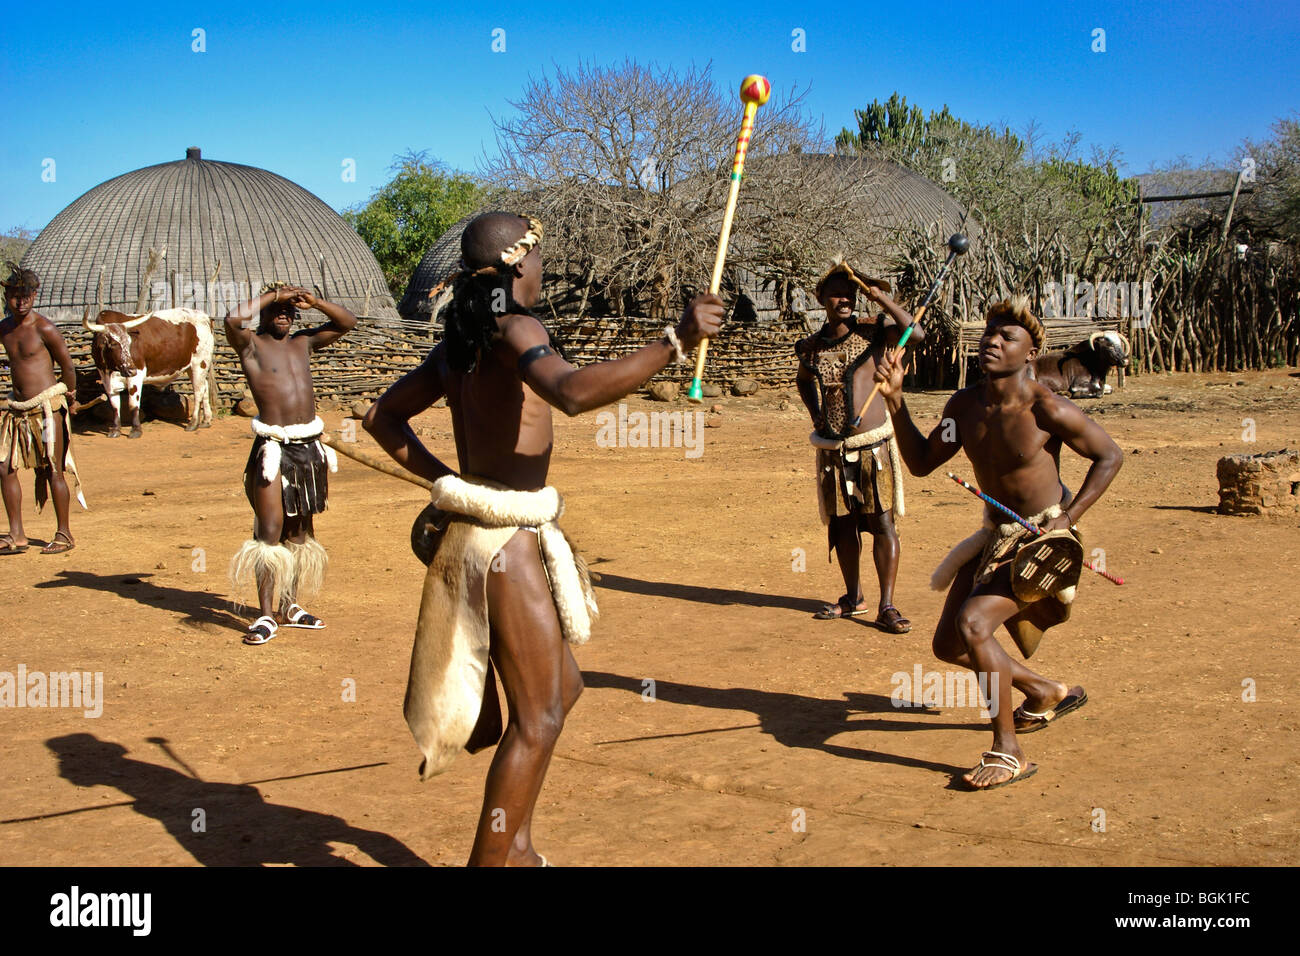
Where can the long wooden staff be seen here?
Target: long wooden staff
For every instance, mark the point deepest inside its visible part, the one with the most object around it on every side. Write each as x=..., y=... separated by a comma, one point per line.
x=754, y=91
x=1025, y=524
x=957, y=246
x=388, y=468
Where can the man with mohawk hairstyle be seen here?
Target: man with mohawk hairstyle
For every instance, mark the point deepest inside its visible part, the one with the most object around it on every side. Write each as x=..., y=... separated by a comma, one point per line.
x=287, y=475
x=859, y=476
x=34, y=430
x=1012, y=430
x=504, y=588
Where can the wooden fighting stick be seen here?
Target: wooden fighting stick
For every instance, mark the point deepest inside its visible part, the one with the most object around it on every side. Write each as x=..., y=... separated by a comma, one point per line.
x=754, y=91
x=957, y=246
x=350, y=450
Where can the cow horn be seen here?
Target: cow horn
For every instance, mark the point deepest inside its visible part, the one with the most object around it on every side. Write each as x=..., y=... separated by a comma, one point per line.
x=1092, y=340
x=88, y=325
x=140, y=320
x=1124, y=341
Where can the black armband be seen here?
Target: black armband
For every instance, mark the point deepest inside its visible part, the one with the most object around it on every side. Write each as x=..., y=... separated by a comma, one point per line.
x=532, y=355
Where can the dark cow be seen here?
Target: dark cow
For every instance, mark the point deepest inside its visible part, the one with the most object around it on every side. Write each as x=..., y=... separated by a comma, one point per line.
x=130, y=350
x=1080, y=371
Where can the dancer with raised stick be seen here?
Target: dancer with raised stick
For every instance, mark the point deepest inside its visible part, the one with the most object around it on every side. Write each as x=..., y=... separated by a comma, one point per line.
x=754, y=91
x=504, y=588
x=858, y=472
x=957, y=246
x=1012, y=430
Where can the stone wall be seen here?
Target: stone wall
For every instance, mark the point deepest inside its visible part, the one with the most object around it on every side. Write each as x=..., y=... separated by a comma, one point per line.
x=1260, y=484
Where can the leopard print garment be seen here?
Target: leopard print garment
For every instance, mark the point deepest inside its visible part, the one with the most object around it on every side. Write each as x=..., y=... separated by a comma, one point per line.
x=833, y=364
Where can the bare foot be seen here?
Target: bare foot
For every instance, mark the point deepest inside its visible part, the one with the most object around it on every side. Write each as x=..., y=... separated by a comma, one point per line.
x=526, y=856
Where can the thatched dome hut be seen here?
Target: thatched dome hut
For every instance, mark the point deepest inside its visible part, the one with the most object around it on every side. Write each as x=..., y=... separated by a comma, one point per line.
x=435, y=266
x=257, y=225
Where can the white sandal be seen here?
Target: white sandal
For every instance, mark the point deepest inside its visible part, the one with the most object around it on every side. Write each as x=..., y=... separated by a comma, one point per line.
x=1004, y=762
x=261, y=630
x=297, y=613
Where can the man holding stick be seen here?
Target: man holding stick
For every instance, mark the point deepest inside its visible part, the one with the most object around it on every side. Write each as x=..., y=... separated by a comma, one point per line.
x=859, y=476
x=34, y=420
x=504, y=588
x=1012, y=430
x=287, y=475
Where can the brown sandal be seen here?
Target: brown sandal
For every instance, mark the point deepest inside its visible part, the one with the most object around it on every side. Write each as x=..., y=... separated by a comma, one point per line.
x=7, y=545
x=54, y=547
x=841, y=608
x=891, y=619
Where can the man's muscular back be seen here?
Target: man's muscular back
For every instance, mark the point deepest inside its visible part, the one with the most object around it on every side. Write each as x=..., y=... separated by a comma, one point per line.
x=503, y=428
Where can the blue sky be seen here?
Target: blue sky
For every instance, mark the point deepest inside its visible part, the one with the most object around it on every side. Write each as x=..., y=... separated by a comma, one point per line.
x=106, y=88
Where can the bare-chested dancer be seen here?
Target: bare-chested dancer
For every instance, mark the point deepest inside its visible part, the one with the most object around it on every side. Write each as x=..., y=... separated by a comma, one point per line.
x=503, y=588
x=1012, y=430
x=287, y=475
x=34, y=420
x=859, y=476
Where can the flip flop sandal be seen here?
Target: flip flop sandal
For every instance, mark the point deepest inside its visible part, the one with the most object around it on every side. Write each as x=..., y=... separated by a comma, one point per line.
x=7, y=540
x=261, y=630
x=1027, y=721
x=55, y=547
x=841, y=608
x=895, y=623
x=1004, y=762
x=300, y=618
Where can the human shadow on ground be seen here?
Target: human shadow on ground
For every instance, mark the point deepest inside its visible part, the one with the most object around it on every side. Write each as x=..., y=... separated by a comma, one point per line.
x=1199, y=509
x=804, y=722
x=701, y=594
x=198, y=607
x=240, y=828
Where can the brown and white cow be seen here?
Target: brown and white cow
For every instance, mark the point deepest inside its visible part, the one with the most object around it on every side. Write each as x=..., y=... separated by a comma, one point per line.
x=158, y=347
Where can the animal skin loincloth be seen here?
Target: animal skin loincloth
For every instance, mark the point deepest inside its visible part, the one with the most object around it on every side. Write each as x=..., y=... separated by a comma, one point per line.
x=990, y=549
x=862, y=474
x=27, y=437
x=295, y=455
x=450, y=659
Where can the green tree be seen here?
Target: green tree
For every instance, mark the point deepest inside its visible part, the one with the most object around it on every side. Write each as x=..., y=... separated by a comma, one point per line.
x=404, y=218
x=14, y=242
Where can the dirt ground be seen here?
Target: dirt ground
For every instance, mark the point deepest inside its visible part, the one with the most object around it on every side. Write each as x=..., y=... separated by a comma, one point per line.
x=760, y=720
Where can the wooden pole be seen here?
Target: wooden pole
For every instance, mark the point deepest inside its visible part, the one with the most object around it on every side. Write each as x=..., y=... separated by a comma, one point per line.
x=1232, y=205
x=350, y=450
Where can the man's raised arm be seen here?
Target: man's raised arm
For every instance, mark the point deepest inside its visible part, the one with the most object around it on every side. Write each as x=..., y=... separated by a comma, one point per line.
x=238, y=333
x=922, y=454
x=341, y=319
x=576, y=390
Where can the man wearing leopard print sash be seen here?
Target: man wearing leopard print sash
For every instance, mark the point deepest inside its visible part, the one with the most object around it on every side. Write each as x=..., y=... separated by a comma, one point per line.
x=859, y=475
